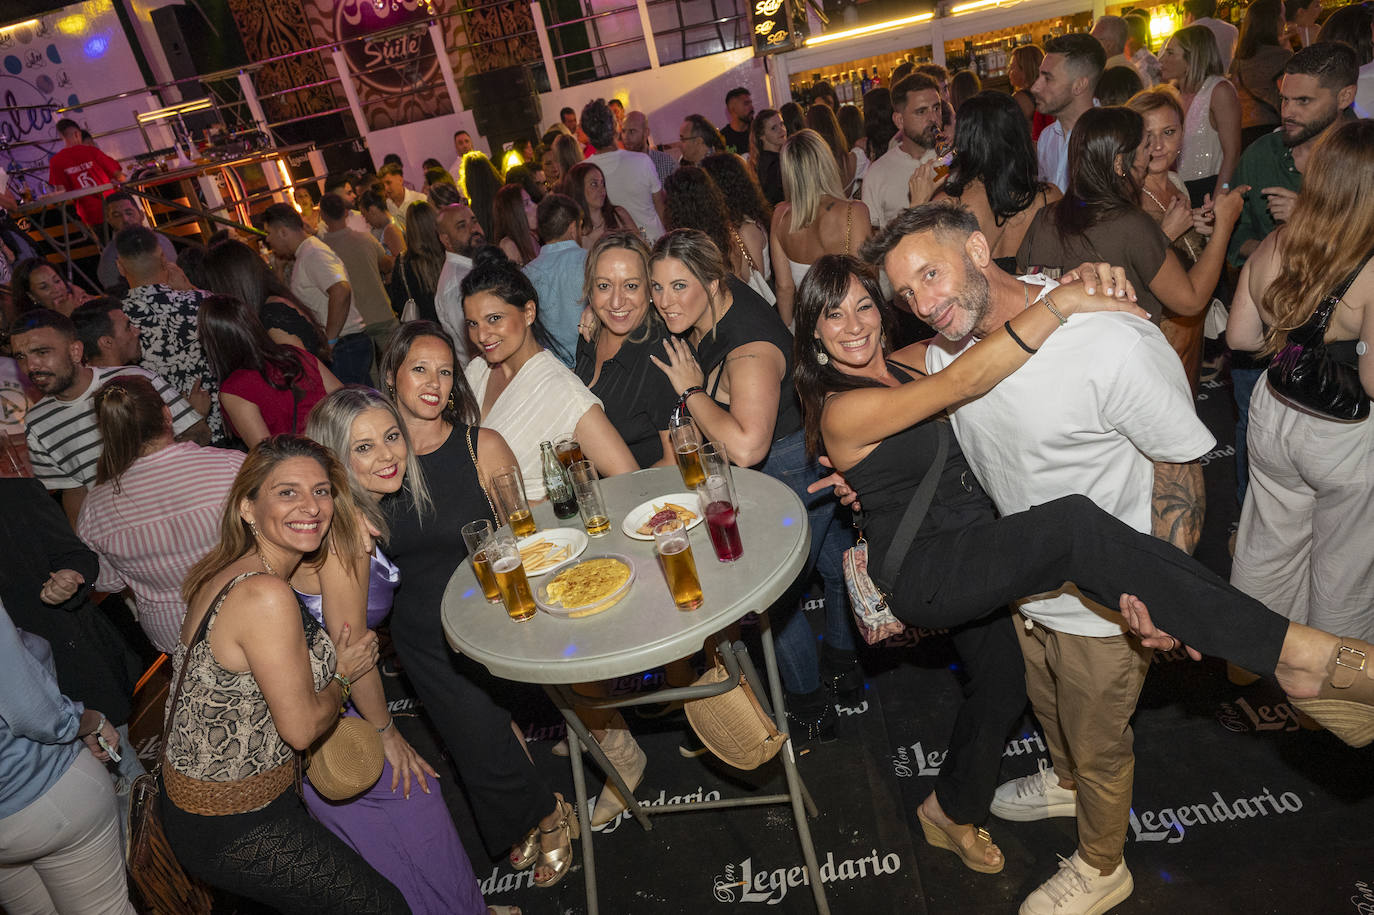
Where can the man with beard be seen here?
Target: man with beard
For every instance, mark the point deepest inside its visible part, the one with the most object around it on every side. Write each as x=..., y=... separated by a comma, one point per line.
x=916, y=112
x=64, y=443
x=1064, y=90
x=1103, y=410
x=461, y=236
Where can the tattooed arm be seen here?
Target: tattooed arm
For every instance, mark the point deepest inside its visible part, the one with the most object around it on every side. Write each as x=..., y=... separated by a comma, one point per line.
x=1178, y=504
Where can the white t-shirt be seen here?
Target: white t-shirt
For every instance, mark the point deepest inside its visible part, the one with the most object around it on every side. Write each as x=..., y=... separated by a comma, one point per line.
x=1103, y=399
x=448, y=301
x=398, y=213
x=315, y=269
x=885, y=190
x=543, y=401
x=631, y=182
x=1052, y=153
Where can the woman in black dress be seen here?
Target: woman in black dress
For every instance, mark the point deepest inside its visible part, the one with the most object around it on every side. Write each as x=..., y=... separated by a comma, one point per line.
x=510, y=800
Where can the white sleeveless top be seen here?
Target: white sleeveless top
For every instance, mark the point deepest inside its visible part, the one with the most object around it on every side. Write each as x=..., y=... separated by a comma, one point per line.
x=1201, y=156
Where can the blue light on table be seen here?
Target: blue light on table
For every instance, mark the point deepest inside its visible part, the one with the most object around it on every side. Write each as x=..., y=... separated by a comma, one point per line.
x=570, y=650
x=788, y=521
x=470, y=592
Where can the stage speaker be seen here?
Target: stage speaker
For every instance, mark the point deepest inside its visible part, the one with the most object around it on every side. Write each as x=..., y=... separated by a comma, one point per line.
x=196, y=39
x=504, y=103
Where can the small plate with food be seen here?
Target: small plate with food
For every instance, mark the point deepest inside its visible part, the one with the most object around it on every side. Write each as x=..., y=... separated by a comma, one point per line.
x=639, y=522
x=586, y=587
x=547, y=550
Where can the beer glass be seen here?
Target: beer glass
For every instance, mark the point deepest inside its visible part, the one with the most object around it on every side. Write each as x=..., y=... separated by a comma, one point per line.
x=510, y=576
x=718, y=505
x=687, y=447
x=568, y=450
x=675, y=555
x=591, y=505
x=475, y=537
x=508, y=492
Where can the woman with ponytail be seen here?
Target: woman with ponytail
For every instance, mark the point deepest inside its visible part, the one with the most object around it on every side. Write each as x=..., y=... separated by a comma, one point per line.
x=155, y=508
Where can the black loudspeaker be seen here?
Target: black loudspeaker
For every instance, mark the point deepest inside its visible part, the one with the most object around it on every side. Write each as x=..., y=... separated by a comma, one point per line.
x=504, y=103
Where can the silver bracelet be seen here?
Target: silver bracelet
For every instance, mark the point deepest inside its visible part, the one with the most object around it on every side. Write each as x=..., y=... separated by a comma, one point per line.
x=1049, y=303
x=390, y=723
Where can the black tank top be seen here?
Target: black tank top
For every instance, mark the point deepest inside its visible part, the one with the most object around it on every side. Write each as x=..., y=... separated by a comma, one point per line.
x=750, y=319
x=887, y=478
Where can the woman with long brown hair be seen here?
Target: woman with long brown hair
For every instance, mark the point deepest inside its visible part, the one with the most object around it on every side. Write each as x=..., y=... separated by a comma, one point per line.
x=234, y=269
x=263, y=682
x=586, y=184
x=821, y=118
x=513, y=224
x=1255, y=71
x=416, y=274
x=766, y=135
x=1308, y=518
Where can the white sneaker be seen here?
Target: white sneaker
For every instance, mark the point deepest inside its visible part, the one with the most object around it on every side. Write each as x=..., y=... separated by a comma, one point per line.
x=1034, y=797
x=1078, y=889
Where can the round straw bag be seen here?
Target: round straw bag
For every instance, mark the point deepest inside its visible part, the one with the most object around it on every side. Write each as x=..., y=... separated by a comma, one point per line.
x=733, y=725
x=347, y=761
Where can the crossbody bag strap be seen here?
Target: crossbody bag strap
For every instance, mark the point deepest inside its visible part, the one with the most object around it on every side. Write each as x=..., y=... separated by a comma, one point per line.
x=1332, y=300
x=472, y=453
x=405, y=278
x=186, y=659
x=848, y=222
x=916, y=511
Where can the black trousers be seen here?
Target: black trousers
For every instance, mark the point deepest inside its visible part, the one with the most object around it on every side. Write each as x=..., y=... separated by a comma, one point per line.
x=951, y=578
x=508, y=795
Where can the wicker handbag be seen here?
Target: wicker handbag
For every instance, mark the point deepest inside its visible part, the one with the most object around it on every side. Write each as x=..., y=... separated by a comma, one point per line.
x=733, y=725
x=347, y=761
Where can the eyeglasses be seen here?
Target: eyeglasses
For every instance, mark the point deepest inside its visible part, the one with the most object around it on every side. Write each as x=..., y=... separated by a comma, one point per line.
x=688, y=138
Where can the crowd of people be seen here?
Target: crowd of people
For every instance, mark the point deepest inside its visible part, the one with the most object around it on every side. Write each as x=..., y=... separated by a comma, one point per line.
x=271, y=444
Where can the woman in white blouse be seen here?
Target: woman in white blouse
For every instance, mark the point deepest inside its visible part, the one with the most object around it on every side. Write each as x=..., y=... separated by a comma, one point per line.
x=524, y=391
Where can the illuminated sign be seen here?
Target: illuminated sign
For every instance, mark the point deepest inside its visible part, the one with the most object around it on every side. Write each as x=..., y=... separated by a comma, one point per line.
x=773, y=27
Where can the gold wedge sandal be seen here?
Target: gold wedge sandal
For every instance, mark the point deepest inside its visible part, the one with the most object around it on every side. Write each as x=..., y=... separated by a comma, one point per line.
x=1345, y=705
x=974, y=856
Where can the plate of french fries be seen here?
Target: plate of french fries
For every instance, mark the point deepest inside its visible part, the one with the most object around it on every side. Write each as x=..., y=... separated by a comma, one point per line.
x=638, y=521
x=549, y=549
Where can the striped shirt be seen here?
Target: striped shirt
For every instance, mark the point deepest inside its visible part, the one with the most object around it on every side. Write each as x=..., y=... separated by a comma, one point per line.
x=64, y=443
x=161, y=519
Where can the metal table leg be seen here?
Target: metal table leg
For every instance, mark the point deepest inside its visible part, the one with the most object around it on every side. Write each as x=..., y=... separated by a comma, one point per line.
x=580, y=789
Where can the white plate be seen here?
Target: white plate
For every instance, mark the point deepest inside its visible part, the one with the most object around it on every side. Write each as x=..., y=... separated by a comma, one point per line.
x=641, y=513
x=574, y=540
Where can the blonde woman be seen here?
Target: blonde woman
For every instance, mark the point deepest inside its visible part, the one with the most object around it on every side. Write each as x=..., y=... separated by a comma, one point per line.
x=1211, y=121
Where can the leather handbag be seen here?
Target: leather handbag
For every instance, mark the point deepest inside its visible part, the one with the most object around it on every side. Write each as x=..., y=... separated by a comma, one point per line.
x=347, y=761
x=872, y=610
x=1306, y=372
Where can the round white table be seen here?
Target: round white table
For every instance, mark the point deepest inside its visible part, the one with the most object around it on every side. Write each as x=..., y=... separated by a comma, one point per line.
x=645, y=629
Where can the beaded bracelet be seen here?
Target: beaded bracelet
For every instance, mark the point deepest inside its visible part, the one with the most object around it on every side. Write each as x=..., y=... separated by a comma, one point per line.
x=1049, y=303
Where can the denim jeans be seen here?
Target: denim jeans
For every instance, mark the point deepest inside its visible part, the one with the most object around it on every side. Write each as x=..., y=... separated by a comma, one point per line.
x=798, y=664
x=353, y=359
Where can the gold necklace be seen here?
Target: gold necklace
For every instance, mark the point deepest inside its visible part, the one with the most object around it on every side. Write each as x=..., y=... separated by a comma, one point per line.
x=267, y=565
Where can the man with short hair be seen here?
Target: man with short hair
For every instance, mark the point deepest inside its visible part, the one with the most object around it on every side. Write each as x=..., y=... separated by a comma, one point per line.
x=916, y=112
x=1103, y=410
x=78, y=165
x=739, y=109
x=1064, y=90
x=1138, y=47
x=698, y=139
x=1204, y=13
x=398, y=196
x=380, y=224
x=122, y=211
x=462, y=145
x=461, y=235
x=631, y=179
x=366, y=262
x=320, y=280
x=64, y=443
x=569, y=118
x=1110, y=31
x=108, y=338
x=557, y=271
x=342, y=186
x=634, y=136
x=166, y=318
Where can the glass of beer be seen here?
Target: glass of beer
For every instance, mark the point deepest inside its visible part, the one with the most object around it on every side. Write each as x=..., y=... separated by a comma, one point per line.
x=511, y=582
x=475, y=537
x=591, y=505
x=718, y=505
x=679, y=568
x=508, y=492
x=687, y=446
x=568, y=450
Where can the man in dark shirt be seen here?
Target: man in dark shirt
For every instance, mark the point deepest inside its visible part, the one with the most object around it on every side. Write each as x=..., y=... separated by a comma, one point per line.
x=739, y=107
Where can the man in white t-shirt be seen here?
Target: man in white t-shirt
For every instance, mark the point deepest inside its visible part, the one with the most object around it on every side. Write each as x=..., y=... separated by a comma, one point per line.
x=916, y=112
x=1064, y=90
x=1102, y=410
x=631, y=178
x=462, y=145
x=461, y=235
x=398, y=196
x=318, y=278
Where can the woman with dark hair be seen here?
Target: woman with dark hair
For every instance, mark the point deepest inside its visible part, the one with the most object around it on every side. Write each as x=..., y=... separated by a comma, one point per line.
x=524, y=391
x=36, y=284
x=1211, y=123
x=737, y=384
x=852, y=125
x=1300, y=23
x=1259, y=62
x=1022, y=71
x=793, y=117
x=749, y=211
x=480, y=183
x=766, y=136
x=416, y=274
x=1117, y=84
x=265, y=388
x=263, y=682
x=234, y=269
x=513, y=224
x=1100, y=219
x=963, y=85
x=878, y=126
x=586, y=184
x=877, y=415
x=148, y=485
x=435, y=176
x=691, y=200
x=821, y=118
x=1308, y=518
x=994, y=173
x=510, y=799
x=1351, y=25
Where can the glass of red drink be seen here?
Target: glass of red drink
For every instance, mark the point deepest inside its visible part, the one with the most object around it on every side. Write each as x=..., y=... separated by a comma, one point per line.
x=718, y=505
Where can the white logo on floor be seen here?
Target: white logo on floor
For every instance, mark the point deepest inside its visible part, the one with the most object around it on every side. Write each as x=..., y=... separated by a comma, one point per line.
x=502, y=880
x=1169, y=824
x=1241, y=716
x=914, y=759
x=912, y=635
x=744, y=883
x=1363, y=900
x=701, y=794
